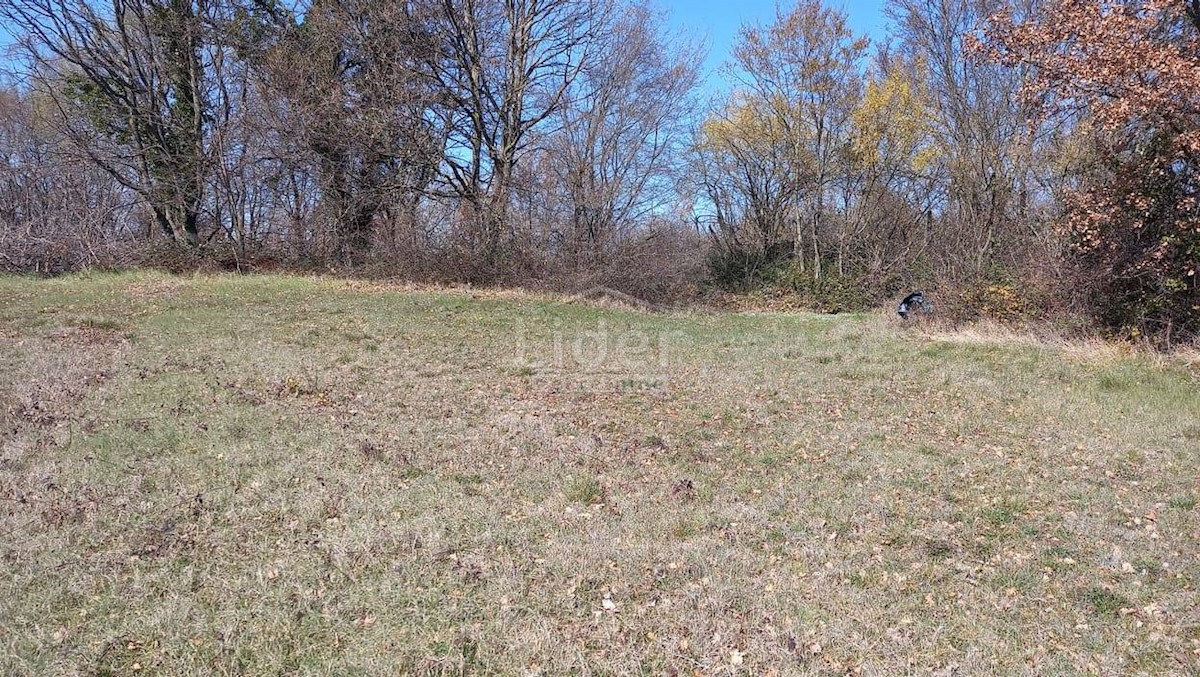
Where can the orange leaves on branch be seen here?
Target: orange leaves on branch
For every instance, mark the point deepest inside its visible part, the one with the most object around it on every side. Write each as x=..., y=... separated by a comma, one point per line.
x=1122, y=61
x=1132, y=69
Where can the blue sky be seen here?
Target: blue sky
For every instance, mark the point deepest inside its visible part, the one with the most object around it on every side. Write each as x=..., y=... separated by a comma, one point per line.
x=718, y=21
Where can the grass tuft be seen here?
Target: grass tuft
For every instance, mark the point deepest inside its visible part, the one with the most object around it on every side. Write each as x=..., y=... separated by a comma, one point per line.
x=1104, y=601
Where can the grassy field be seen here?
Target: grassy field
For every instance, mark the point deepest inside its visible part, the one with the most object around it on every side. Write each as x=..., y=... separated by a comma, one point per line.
x=277, y=475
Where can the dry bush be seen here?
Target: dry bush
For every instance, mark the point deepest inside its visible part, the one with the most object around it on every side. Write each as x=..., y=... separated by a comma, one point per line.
x=1045, y=297
x=165, y=255
x=665, y=267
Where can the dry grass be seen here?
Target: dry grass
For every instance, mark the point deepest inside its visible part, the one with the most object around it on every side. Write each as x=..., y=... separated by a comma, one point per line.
x=1092, y=349
x=226, y=475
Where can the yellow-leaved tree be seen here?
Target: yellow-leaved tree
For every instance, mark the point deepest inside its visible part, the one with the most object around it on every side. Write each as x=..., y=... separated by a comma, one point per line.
x=890, y=169
x=805, y=68
x=744, y=164
x=891, y=122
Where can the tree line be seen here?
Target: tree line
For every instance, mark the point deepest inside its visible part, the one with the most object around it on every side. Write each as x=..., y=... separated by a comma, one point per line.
x=1027, y=156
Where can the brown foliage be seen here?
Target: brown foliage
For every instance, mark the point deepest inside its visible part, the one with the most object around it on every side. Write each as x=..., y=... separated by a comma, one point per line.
x=1133, y=71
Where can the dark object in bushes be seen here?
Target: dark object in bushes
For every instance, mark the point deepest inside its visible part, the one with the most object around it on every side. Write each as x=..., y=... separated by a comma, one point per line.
x=914, y=301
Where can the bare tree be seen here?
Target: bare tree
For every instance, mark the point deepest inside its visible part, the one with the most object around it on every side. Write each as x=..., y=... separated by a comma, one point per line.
x=505, y=67
x=57, y=213
x=129, y=82
x=624, y=127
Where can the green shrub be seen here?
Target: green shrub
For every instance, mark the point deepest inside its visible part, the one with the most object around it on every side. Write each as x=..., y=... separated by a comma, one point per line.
x=829, y=293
